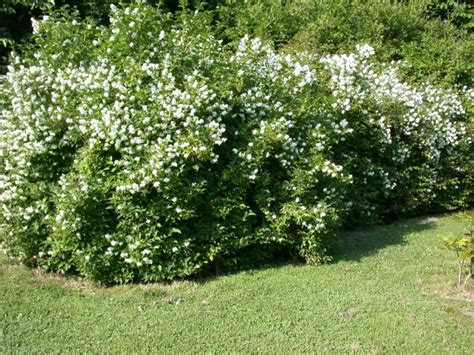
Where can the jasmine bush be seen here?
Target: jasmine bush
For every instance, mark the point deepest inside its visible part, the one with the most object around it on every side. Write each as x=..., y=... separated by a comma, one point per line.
x=433, y=39
x=146, y=149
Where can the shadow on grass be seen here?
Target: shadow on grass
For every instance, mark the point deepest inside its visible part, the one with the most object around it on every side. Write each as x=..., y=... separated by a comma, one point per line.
x=355, y=245
x=362, y=243
x=250, y=260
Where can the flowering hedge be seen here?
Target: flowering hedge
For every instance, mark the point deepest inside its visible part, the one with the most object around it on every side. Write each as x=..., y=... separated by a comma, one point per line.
x=146, y=149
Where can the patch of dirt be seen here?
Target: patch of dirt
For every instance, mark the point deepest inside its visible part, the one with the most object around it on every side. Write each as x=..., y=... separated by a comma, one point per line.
x=468, y=313
x=355, y=347
x=453, y=293
x=168, y=300
x=81, y=285
x=349, y=313
x=429, y=220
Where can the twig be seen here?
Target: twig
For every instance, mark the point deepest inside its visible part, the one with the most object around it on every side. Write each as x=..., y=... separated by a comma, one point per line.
x=461, y=269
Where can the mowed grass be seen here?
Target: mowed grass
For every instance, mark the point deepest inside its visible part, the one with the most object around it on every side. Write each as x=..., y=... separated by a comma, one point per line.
x=391, y=289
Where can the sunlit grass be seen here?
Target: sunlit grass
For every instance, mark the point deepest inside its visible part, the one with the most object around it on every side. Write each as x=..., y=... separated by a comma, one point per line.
x=391, y=289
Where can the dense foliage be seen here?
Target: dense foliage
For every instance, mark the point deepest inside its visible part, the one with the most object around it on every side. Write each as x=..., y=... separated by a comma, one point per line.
x=148, y=148
x=433, y=38
x=15, y=17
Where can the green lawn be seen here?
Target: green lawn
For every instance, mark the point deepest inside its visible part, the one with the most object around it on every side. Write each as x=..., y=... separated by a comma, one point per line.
x=392, y=290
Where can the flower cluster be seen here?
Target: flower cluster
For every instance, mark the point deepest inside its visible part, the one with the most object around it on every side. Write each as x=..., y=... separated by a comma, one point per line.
x=410, y=133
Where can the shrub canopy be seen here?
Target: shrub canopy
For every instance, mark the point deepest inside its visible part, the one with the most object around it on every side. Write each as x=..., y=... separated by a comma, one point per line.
x=147, y=149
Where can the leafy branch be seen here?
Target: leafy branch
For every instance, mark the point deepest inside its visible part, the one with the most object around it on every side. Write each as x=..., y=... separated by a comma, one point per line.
x=464, y=248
